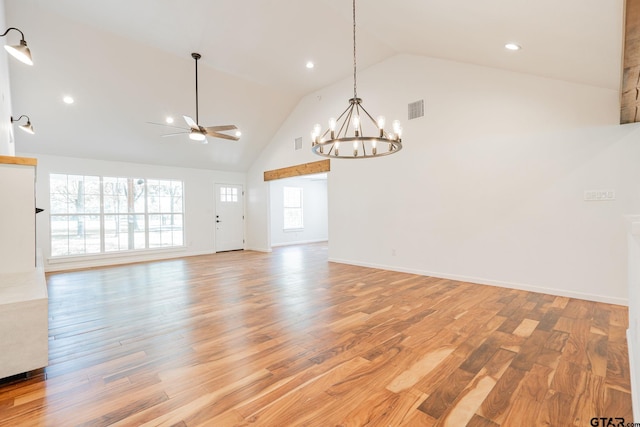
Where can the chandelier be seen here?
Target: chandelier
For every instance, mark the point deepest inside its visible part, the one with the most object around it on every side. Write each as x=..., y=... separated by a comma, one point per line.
x=345, y=138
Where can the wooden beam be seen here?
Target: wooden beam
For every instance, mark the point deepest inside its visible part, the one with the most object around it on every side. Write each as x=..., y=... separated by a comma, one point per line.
x=630, y=90
x=25, y=161
x=298, y=170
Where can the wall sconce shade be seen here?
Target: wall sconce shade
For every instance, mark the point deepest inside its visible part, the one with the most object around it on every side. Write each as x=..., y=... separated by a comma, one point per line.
x=27, y=127
x=21, y=52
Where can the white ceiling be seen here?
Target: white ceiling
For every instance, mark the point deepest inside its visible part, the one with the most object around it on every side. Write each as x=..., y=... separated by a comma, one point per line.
x=127, y=62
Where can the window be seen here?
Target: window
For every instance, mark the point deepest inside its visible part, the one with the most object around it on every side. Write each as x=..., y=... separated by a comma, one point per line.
x=293, y=208
x=92, y=214
x=228, y=194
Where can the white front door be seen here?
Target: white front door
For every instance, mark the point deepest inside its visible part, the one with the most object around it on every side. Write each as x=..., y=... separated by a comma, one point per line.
x=229, y=217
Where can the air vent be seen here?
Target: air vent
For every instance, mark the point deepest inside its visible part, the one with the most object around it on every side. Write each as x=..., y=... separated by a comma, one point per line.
x=416, y=109
x=297, y=145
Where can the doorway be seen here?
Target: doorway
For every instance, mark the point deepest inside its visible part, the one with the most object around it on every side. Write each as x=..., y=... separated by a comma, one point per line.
x=229, y=218
x=299, y=210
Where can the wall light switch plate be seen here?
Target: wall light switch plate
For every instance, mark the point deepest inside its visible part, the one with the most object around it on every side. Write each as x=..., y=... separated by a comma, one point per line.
x=599, y=195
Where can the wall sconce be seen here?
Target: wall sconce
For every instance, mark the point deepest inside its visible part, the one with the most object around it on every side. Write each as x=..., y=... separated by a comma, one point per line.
x=21, y=52
x=26, y=127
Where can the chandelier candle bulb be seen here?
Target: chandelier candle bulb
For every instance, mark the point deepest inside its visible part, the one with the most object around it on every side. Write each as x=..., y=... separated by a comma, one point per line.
x=381, y=123
x=332, y=127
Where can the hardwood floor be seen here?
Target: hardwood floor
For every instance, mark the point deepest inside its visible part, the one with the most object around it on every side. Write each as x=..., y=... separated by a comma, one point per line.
x=288, y=339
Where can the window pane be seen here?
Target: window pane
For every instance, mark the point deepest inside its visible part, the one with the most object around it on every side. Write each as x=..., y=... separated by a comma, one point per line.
x=83, y=234
x=155, y=231
x=92, y=203
x=292, y=197
x=59, y=235
x=92, y=185
x=165, y=204
x=292, y=218
x=124, y=232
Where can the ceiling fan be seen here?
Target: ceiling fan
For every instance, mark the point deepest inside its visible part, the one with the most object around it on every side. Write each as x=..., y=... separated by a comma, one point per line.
x=195, y=131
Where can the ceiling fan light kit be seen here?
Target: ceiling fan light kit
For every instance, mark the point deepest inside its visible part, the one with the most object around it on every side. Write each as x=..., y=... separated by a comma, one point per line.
x=197, y=132
x=345, y=137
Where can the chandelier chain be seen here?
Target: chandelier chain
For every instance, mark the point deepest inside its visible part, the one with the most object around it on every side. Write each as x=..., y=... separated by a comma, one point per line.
x=355, y=92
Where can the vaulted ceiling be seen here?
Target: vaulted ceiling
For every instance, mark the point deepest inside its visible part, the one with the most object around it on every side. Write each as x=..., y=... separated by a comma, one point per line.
x=128, y=62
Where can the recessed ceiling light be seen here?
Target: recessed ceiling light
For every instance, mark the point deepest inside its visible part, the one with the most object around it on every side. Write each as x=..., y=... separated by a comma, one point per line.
x=238, y=133
x=68, y=100
x=169, y=120
x=512, y=46
x=310, y=64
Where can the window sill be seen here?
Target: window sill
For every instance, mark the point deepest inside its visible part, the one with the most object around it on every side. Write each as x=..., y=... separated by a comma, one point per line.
x=292, y=230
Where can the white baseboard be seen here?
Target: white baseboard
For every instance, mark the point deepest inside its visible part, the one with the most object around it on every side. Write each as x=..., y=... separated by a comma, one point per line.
x=482, y=281
x=257, y=249
x=76, y=263
x=298, y=242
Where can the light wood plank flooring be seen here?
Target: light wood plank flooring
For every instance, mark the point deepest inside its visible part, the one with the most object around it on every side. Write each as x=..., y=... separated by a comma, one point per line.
x=288, y=339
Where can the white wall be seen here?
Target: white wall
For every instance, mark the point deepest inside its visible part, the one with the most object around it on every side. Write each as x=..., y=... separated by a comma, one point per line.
x=489, y=186
x=7, y=146
x=633, y=333
x=198, y=199
x=314, y=208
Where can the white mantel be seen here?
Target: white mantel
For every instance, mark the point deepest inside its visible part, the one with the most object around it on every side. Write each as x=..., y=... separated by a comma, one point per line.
x=633, y=333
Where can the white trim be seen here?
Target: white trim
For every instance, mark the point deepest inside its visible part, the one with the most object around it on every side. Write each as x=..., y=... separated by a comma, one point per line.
x=265, y=250
x=501, y=284
x=91, y=262
x=299, y=242
x=631, y=345
x=115, y=254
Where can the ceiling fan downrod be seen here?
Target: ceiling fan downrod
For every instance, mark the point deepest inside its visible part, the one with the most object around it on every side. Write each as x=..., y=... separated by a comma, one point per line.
x=196, y=56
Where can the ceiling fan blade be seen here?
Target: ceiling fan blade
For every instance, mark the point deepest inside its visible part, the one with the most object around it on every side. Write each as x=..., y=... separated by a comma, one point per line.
x=219, y=128
x=174, y=134
x=166, y=125
x=222, y=135
x=191, y=123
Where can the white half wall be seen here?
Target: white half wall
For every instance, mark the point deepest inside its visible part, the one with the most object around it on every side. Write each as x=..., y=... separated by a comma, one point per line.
x=198, y=198
x=489, y=187
x=314, y=208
